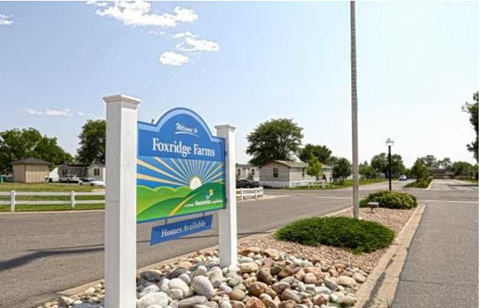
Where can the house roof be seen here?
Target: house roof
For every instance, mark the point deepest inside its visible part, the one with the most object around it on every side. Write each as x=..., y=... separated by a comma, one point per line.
x=30, y=161
x=73, y=166
x=293, y=164
x=244, y=166
x=96, y=165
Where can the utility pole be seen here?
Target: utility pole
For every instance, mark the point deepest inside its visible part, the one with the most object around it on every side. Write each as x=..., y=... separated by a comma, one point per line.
x=353, y=61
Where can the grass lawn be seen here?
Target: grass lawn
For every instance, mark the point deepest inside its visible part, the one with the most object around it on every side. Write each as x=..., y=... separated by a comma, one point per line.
x=58, y=187
x=51, y=207
x=470, y=181
x=345, y=184
x=49, y=187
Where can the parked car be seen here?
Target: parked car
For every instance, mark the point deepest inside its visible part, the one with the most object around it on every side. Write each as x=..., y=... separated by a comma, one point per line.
x=52, y=179
x=403, y=177
x=92, y=182
x=69, y=178
x=247, y=183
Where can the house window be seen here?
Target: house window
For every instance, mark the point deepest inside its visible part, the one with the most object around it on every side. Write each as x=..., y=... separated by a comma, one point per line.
x=238, y=172
x=275, y=172
x=64, y=171
x=303, y=172
x=96, y=172
x=253, y=172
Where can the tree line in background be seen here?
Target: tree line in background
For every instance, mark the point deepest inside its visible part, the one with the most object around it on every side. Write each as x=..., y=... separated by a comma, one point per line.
x=16, y=144
x=281, y=139
x=276, y=139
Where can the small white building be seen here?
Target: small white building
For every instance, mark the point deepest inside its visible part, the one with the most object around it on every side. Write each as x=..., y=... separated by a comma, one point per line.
x=96, y=171
x=247, y=171
x=282, y=173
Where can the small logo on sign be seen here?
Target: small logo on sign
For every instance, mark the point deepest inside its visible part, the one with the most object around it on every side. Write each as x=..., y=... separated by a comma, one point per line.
x=209, y=194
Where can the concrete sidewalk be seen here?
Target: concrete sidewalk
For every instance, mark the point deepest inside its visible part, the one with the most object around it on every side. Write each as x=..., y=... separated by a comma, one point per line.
x=442, y=264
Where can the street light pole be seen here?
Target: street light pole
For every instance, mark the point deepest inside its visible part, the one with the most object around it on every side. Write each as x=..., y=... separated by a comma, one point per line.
x=389, y=143
x=390, y=167
x=353, y=62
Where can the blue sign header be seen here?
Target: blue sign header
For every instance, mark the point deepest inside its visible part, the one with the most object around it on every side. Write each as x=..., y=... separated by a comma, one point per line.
x=180, y=133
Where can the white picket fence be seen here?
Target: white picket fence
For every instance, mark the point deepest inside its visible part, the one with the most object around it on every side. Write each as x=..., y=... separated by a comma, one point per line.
x=249, y=193
x=242, y=194
x=14, y=202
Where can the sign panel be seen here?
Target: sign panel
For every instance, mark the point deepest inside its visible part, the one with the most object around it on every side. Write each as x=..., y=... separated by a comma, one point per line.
x=180, y=167
x=180, y=229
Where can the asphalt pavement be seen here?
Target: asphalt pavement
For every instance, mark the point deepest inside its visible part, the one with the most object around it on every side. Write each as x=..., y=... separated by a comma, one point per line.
x=441, y=269
x=45, y=253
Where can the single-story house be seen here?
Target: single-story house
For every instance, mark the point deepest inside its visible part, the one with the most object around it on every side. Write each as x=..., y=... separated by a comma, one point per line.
x=283, y=173
x=30, y=170
x=438, y=173
x=247, y=171
x=96, y=171
x=80, y=171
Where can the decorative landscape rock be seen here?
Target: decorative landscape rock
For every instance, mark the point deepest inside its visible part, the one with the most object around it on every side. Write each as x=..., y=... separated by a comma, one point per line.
x=157, y=298
x=261, y=279
x=202, y=286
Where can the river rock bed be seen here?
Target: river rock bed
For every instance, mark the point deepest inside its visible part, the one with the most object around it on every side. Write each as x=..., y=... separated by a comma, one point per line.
x=269, y=274
x=393, y=219
x=261, y=279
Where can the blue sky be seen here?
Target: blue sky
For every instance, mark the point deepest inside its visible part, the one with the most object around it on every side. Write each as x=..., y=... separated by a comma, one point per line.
x=245, y=63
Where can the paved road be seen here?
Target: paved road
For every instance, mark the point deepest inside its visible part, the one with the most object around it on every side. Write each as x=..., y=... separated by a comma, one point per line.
x=442, y=264
x=41, y=254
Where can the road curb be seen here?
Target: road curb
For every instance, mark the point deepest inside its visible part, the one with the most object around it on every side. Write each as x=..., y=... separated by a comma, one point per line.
x=81, y=288
x=379, y=289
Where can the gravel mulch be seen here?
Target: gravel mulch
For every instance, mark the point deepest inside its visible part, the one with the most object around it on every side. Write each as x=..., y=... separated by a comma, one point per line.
x=394, y=219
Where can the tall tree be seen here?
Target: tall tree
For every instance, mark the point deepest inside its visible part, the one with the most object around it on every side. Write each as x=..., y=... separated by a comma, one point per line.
x=463, y=168
x=445, y=163
x=314, y=167
x=380, y=164
x=16, y=144
x=92, y=142
x=342, y=169
x=472, y=109
x=419, y=170
x=430, y=161
x=367, y=171
x=321, y=152
x=277, y=139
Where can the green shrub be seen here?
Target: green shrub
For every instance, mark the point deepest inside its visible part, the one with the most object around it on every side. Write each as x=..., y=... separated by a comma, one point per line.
x=344, y=232
x=391, y=200
x=421, y=183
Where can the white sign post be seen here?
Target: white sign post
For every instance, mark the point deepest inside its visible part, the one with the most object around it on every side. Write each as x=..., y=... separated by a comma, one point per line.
x=120, y=202
x=227, y=219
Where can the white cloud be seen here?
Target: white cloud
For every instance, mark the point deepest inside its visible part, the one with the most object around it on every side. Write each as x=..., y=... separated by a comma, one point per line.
x=138, y=13
x=173, y=59
x=50, y=112
x=183, y=34
x=192, y=44
x=65, y=112
x=5, y=20
x=98, y=3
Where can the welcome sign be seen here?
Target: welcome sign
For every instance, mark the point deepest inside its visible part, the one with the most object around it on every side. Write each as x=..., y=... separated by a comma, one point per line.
x=180, y=167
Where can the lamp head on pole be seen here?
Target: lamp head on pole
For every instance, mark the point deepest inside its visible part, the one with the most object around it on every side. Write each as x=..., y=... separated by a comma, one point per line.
x=389, y=142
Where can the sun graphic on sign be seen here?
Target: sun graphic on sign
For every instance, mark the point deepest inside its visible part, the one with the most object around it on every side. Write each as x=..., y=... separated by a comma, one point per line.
x=195, y=182
x=179, y=172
